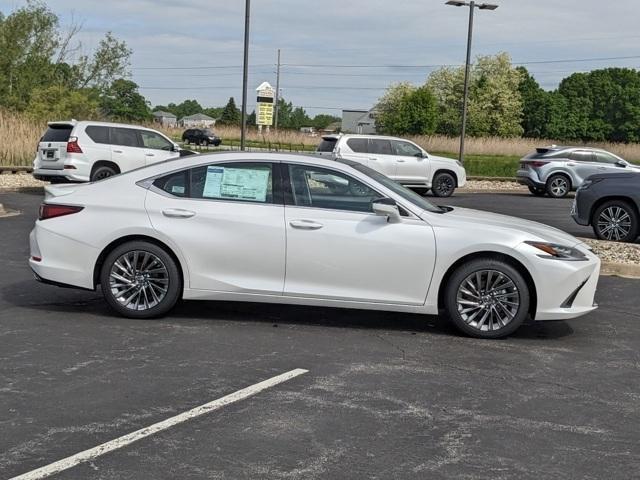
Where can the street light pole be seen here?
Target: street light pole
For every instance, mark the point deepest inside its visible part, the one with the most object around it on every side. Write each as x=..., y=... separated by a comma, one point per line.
x=245, y=70
x=465, y=97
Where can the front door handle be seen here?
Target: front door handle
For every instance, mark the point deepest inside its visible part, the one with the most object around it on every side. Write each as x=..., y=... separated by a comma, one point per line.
x=117, y=151
x=305, y=224
x=178, y=213
x=149, y=154
x=401, y=161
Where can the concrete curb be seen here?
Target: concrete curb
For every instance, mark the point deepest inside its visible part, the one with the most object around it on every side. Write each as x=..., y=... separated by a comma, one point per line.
x=624, y=270
x=7, y=213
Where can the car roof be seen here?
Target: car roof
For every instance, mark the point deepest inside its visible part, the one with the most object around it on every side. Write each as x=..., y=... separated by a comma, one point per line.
x=557, y=148
x=86, y=123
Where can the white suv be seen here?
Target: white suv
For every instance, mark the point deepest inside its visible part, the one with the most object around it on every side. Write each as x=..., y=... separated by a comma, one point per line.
x=399, y=159
x=87, y=151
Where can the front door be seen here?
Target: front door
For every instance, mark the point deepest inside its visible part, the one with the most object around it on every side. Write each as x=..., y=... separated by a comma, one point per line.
x=156, y=147
x=337, y=248
x=227, y=224
x=412, y=166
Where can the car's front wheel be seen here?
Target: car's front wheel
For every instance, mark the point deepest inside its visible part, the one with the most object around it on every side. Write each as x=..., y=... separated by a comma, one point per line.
x=443, y=185
x=486, y=298
x=140, y=280
x=616, y=221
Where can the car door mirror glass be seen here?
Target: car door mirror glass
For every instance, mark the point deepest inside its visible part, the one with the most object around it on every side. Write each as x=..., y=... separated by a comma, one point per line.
x=387, y=207
x=622, y=163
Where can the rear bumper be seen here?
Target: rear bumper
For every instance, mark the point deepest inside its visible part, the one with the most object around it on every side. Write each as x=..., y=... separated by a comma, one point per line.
x=524, y=178
x=48, y=175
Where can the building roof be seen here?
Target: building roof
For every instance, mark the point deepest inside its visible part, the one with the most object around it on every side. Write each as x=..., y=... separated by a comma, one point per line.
x=198, y=116
x=162, y=113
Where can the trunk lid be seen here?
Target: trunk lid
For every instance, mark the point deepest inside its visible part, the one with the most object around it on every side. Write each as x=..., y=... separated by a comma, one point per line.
x=52, y=148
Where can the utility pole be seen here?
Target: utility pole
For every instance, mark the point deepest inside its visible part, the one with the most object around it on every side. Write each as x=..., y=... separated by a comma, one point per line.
x=275, y=120
x=465, y=98
x=245, y=65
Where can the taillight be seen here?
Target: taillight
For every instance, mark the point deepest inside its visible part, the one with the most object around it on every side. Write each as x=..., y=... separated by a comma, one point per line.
x=72, y=145
x=537, y=164
x=51, y=211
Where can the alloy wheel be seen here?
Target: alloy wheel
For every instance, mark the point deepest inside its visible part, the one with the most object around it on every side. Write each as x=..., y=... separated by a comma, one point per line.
x=614, y=223
x=488, y=300
x=559, y=187
x=444, y=186
x=138, y=280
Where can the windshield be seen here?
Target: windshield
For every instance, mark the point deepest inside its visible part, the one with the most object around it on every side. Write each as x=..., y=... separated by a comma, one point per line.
x=396, y=188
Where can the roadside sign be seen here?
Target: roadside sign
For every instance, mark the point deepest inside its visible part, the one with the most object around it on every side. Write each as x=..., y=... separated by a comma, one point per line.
x=264, y=109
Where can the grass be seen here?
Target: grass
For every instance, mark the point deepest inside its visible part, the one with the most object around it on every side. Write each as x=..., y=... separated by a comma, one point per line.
x=490, y=156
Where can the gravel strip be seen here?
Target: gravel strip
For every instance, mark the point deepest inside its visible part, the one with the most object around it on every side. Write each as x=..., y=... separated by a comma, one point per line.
x=11, y=181
x=488, y=185
x=615, y=252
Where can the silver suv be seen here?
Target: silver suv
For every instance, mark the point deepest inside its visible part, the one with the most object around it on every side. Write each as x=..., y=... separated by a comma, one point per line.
x=558, y=170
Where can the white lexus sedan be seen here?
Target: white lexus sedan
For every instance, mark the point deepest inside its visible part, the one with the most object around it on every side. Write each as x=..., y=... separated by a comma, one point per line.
x=304, y=230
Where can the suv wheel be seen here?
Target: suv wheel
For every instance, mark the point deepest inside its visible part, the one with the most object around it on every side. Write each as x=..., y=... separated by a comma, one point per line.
x=486, y=298
x=616, y=221
x=140, y=280
x=103, y=172
x=186, y=140
x=558, y=186
x=443, y=185
x=537, y=191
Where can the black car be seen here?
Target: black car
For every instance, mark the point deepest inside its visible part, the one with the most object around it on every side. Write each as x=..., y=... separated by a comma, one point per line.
x=201, y=136
x=610, y=203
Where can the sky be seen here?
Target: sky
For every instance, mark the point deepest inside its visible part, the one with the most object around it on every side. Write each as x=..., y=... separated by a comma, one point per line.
x=343, y=54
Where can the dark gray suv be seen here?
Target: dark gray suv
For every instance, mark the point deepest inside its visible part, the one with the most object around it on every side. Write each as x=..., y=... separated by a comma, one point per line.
x=556, y=171
x=610, y=203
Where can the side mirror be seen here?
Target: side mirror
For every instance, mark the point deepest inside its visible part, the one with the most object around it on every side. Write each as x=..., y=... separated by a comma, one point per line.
x=387, y=207
x=622, y=163
x=175, y=148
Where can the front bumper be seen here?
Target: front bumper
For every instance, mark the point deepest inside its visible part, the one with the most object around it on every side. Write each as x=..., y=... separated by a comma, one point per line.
x=582, y=205
x=565, y=289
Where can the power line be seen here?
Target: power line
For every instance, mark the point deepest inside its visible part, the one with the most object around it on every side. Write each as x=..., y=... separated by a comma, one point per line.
x=288, y=87
x=201, y=67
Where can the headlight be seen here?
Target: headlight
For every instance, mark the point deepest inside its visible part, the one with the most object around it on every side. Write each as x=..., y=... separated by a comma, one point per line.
x=558, y=252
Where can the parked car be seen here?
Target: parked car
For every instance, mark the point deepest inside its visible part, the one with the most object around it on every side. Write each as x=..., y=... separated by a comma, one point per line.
x=399, y=159
x=610, y=203
x=73, y=151
x=556, y=171
x=257, y=228
x=201, y=136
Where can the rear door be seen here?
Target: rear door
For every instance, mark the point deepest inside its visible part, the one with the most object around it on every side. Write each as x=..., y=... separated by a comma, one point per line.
x=582, y=164
x=52, y=148
x=156, y=147
x=382, y=158
x=411, y=164
x=126, y=148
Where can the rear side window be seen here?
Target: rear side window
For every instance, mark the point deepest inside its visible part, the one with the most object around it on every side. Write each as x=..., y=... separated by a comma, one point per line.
x=127, y=137
x=98, y=134
x=582, y=156
x=57, y=133
x=381, y=147
x=358, y=145
x=326, y=145
x=174, y=183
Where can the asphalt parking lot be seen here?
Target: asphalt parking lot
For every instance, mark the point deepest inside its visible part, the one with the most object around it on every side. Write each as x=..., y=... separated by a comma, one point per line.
x=386, y=395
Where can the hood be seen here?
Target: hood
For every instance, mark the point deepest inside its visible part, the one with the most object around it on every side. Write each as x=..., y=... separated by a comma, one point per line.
x=443, y=159
x=495, y=221
x=629, y=174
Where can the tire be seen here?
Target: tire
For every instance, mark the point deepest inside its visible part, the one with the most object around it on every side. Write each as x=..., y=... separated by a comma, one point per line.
x=217, y=143
x=615, y=220
x=120, y=292
x=558, y=186
x=484, y=317
x=443, y=185
x=538, y=191
x=103, y=172
x=186, y=141
x=204, y=142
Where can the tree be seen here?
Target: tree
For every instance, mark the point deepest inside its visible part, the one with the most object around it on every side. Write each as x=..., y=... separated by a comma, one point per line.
x=322, y=120
x=407, y=110
x=58, y=103
x=535, y=106
x=186, y=108
x=109, y=62
x=495, y=105
x=230, y=114
x=123, y=102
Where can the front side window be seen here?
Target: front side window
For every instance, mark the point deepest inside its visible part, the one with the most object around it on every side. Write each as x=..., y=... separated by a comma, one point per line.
x=127, y=137
x=380, y=147
x=154, y=141
x=603, y=157
x=406, y=149
x=318, y=187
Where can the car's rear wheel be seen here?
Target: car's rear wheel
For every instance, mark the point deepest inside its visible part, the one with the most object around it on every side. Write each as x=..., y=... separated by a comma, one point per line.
x=558, y=186
x=186, y=141
x=140, y=280
x=103, y=172
x=616, y=221
x=443, y=185
x=486, y=298
x=537, y=191
x=204, y=142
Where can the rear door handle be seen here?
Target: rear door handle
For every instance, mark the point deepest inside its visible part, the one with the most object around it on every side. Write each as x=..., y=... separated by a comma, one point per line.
x=371, y=158
x=178, y=213
x=401, y=161
x=305, y=224
x=149, y=154
x=117, y=151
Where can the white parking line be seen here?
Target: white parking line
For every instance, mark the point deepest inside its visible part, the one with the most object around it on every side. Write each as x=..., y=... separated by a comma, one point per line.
x=120, y=442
